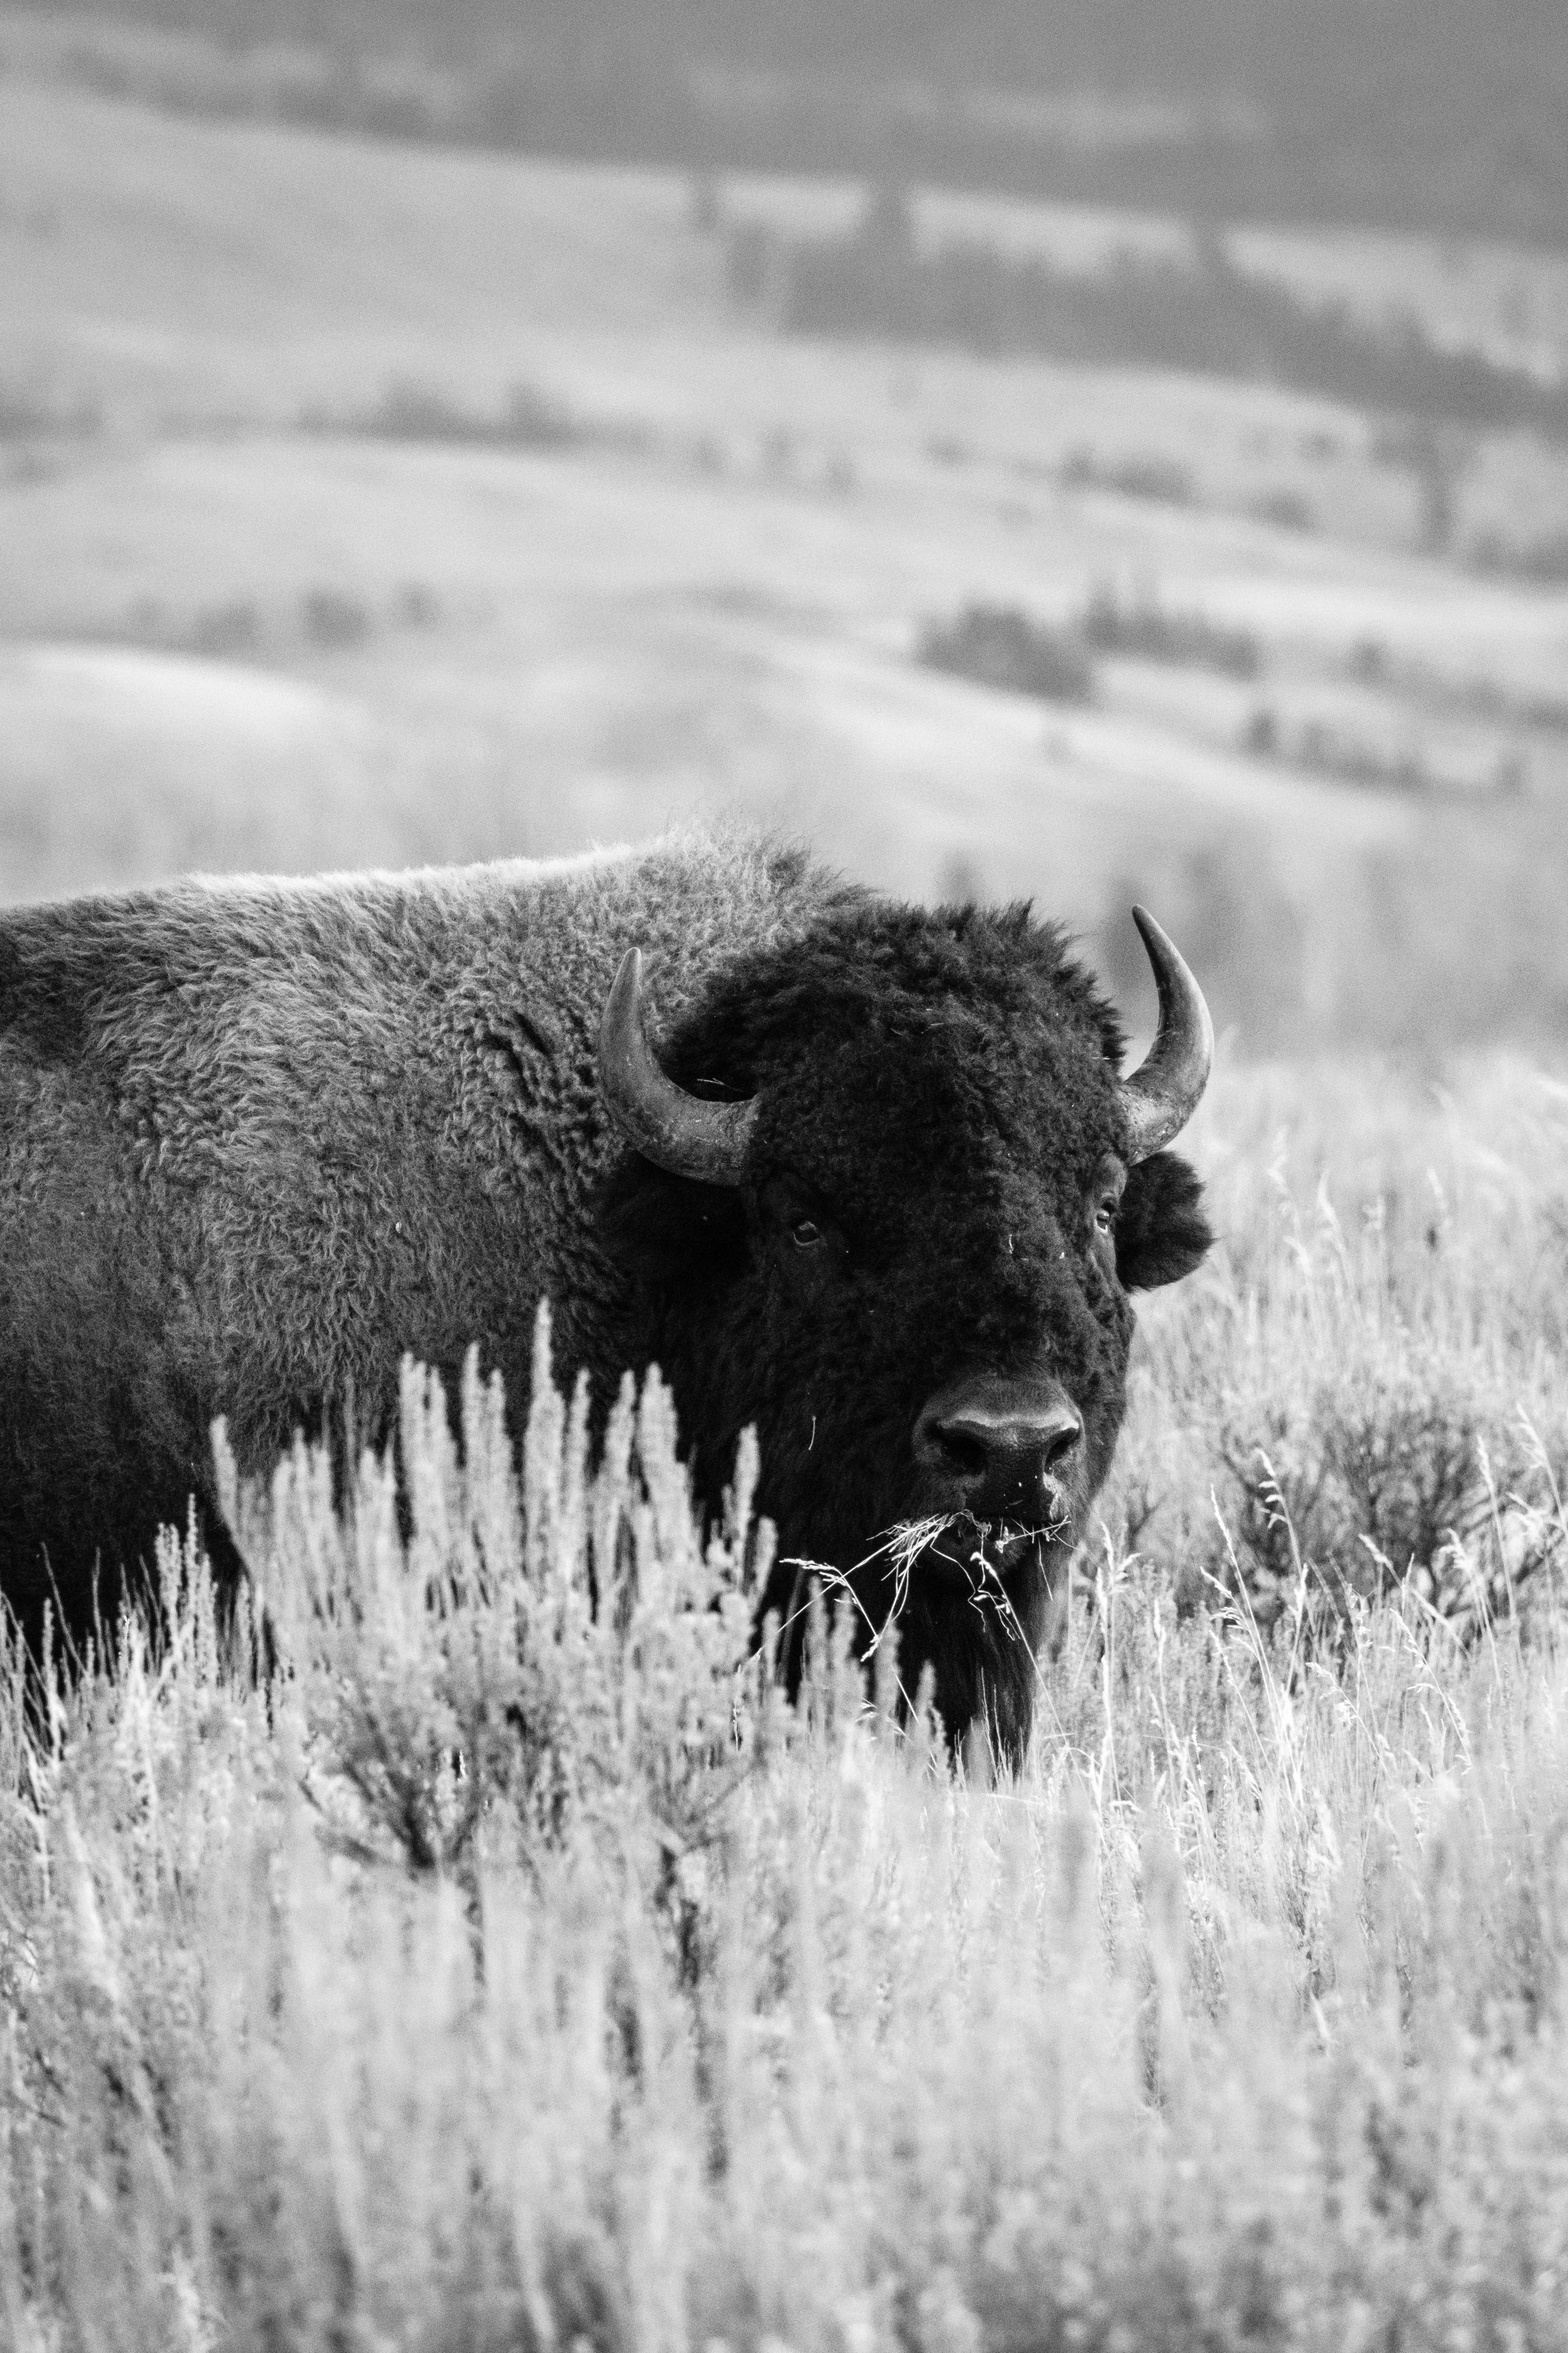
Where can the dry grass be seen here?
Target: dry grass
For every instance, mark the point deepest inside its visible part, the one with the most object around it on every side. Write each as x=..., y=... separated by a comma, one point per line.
x=511, y=1972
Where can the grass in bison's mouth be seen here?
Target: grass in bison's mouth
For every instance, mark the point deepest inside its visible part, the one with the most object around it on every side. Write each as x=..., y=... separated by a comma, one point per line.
x=981, y=1550
x=978, y=1550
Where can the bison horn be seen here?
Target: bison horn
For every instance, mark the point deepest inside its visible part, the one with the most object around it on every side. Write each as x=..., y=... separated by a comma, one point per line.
x=1164, y=1092
x=675, y=1130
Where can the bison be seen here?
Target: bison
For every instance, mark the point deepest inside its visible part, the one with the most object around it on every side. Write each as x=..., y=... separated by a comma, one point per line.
x=862, y=1174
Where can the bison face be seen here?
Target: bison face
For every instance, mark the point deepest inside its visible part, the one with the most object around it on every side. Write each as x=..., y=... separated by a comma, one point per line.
x=889, y=1200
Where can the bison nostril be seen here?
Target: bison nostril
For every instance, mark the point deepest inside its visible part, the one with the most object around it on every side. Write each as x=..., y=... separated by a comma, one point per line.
x=994, y=1450
x=1059, y=1441
x=958, y=1450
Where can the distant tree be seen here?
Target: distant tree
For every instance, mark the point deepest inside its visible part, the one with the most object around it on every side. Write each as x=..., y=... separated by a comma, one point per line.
x=1440, y=458
x=705, y=204
x=887, y=223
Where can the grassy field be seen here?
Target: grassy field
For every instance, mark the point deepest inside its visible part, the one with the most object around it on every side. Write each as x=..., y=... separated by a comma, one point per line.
x=508, y=1975
x=366, y=503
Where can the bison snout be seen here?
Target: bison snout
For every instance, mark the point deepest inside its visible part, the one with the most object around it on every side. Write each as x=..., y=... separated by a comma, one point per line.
x=999, y=1449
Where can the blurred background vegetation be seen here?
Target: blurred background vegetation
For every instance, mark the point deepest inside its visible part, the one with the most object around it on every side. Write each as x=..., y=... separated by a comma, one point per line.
x=1092, y=451
x=1417, y=113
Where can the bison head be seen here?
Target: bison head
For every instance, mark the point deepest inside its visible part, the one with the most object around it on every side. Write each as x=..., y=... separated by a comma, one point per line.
x=887, y=1199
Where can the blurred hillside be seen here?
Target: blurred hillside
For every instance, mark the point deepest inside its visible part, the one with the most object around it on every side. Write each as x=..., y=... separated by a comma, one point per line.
x=1429, y=114
x=364, y=499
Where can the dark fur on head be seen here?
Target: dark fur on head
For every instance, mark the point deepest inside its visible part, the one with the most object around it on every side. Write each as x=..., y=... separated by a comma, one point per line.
x=939, y=1109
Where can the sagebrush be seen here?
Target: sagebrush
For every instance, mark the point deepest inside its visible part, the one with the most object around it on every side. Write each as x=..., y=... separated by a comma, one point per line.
x=500, y=1961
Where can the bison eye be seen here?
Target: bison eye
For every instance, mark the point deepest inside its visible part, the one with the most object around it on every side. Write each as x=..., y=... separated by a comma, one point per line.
x=805, y=1233
x=1106, y=1195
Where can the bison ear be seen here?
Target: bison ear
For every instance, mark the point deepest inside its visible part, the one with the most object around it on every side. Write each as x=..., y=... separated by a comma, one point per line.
x=1162, y=1232
x=670, y=1230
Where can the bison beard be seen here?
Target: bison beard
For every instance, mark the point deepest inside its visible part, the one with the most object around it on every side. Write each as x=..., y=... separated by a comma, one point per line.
x=257, y=1140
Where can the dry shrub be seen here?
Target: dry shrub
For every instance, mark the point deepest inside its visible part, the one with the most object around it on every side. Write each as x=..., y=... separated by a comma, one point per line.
x=506, y=1969
x=547, y=1661
x=1390, y=1478
x=1144, y=626
x=997, y=645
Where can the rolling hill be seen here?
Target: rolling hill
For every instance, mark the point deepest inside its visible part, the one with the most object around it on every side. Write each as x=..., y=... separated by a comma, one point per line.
x=372, y=502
